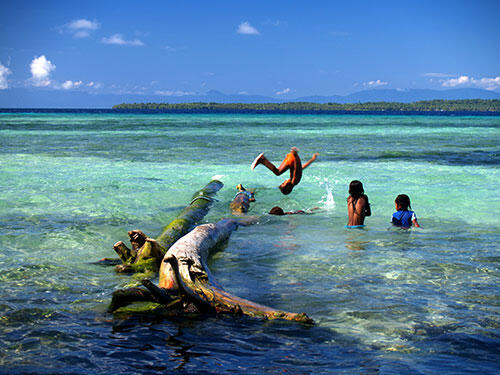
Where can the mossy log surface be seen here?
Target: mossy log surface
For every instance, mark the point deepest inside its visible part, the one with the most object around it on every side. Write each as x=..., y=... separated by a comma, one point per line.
x=147, y=253
x=201, y=202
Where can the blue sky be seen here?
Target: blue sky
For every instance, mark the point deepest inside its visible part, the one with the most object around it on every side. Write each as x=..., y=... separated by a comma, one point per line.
x=275, y=48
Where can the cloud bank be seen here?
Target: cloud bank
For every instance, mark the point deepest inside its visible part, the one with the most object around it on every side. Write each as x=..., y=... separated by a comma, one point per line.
x=68, y=85
x=40, y=71
x=484, y=83
x=246, y=28
x=118, y=39
x=4, y=72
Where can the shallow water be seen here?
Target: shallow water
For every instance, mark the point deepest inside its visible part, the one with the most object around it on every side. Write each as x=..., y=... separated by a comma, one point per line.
x=385, y=301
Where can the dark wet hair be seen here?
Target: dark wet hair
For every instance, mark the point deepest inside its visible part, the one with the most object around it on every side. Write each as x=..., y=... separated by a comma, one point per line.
x=403, y=202
x=356, y=189
x=276, y=211
x=286, y=188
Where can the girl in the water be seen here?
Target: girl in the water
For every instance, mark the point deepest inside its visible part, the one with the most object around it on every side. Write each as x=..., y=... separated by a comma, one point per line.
x=358, y=206
x=404, y=218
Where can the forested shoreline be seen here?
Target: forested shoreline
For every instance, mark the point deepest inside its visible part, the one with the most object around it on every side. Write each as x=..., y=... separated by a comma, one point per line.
x=466, y=105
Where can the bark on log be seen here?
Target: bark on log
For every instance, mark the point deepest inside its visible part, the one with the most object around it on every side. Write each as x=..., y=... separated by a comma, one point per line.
x=147, y=253
x=184, y=270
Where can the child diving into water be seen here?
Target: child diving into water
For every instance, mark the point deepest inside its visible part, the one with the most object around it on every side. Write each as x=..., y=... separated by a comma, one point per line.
x=291, y=162
x=404, y=218
x=358, y=206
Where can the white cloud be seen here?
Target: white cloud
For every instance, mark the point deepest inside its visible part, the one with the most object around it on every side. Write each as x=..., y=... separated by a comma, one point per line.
x=40, y=71
x=4, y=72
x=246, y=28
x=485, y=83
x=68, y=85
x=284, y=91
x=174, y=93
x=119, y=40
x=80, y=28
x=376, y=83
x=83, y=24
x=490, y=83
x=462, y=80
x=73, y=85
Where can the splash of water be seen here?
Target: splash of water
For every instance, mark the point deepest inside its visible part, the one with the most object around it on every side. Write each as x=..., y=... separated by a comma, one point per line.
x=327, y=200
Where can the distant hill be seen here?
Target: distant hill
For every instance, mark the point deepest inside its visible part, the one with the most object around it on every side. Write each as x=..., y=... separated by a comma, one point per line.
x=403, y=96
x=31, y=98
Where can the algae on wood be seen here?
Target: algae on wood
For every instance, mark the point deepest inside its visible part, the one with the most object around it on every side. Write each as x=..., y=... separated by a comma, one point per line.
x=146, y=253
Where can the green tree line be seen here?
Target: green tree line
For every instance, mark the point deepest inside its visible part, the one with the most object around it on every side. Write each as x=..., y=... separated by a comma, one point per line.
x=466, y=105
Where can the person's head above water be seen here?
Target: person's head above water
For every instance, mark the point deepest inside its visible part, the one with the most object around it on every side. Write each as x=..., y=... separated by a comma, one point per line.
x=250, y=194
x=276, y=210
x=286, y=187
x=356, y=189
x=402, y=202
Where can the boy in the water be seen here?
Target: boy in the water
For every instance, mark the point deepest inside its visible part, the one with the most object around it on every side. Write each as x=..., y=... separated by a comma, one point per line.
x=291, y=162
x=241, y=201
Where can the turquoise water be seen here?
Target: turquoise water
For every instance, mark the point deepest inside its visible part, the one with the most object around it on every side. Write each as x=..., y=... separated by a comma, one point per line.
x=385, y=301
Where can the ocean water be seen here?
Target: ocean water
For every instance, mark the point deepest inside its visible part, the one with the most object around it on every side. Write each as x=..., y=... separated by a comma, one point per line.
x=385, y=301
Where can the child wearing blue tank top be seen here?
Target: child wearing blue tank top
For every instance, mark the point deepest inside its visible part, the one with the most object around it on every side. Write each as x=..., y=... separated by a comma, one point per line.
x=404, y=218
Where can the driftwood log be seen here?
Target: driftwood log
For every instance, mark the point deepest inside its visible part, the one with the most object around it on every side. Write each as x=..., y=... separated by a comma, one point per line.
x=147, y=253
x=186, y=284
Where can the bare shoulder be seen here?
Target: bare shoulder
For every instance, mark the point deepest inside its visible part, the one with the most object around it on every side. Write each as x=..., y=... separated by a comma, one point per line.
x=362, y=200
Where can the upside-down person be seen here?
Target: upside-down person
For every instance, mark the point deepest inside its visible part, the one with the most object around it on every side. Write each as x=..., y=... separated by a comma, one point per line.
x=292, y=162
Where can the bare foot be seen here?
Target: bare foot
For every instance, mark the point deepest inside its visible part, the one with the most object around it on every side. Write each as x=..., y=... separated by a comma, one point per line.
x=257, y=161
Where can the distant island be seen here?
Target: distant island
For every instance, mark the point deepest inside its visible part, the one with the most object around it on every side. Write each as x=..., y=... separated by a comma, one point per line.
x=465, y=105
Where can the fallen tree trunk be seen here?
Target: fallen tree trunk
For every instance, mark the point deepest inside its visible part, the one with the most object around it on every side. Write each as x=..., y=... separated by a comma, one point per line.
x=146, y=253
x=186, y=284
x=184, y=271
